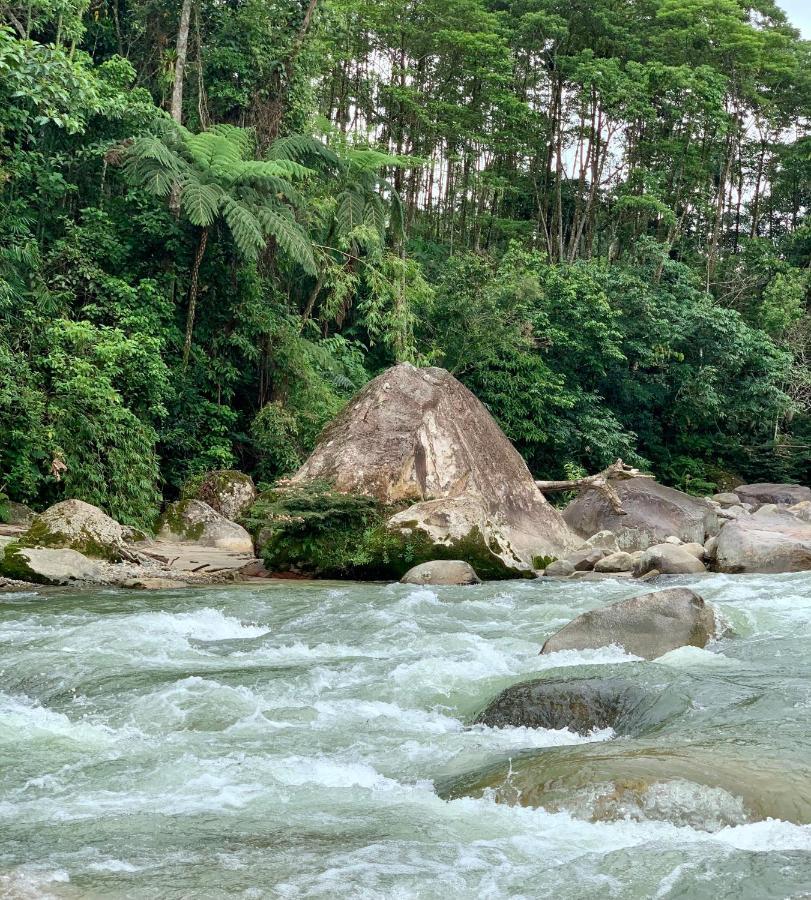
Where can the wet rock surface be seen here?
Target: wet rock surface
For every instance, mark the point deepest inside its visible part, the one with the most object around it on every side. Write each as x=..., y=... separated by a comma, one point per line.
x=768, y=541
x=581, y=704
x=649, y=625
x=442, y=571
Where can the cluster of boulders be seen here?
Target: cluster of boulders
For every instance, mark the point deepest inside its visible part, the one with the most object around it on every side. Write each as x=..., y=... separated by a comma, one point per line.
x=662, y=531
x=73, y=542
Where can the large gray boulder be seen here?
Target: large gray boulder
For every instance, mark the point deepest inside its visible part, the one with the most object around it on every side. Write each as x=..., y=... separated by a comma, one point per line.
x=648, y=626
x=442, y=571
x=767, y=492
x=48, y=566
x=769, y=541
x=228, y=492
x=653, y=512
x=668, y=559
x=195, y=522
x=418, y=436
x=80, y=526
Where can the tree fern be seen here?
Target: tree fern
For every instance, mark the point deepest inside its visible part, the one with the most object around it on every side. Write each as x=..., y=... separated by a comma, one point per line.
x=289, y=235
x=245, y=226
x=200, y=201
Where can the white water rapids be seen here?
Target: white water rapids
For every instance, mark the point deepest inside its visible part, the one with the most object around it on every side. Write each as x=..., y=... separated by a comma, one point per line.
x=292, y=740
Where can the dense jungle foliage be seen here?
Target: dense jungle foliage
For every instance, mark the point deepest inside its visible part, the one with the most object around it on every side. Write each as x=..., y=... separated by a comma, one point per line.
x=219, y=219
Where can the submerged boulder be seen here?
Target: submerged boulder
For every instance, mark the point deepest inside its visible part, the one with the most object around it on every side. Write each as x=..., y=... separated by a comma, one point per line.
x=442, y=571
x=653, y=513
x=419, y=438
x=649, y=625
x=228, y=492
x=703, y=786
x=195, y=522
x=768, y=492
x=769, y=541
x=580, y=704
x=79, y=526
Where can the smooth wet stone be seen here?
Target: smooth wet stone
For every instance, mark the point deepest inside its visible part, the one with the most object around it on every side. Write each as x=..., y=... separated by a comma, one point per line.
x=442, y=571
x=195, y=522
x=631, y=779
x=560, y=568
x=770, y=541
x=616, y=562
x=581, y=704
x=49, y=566
x=648, y=625
x=653, y=512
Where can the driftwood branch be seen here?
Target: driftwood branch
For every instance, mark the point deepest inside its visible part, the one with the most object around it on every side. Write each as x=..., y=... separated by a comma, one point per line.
x=617, y=471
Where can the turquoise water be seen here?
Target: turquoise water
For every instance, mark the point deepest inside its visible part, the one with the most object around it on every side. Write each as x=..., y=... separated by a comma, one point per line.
x=292, y=740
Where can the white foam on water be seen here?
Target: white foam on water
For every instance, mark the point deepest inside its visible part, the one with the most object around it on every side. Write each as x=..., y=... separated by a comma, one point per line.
x=113, y=865
x=694, y=657
x=764, y=837
x=24, y=721
x=204, y=624
x=27, y=882
x=380, y=714
x=520, y=737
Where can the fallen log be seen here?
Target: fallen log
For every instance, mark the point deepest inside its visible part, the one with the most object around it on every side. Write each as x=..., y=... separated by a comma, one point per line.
x=617, y=471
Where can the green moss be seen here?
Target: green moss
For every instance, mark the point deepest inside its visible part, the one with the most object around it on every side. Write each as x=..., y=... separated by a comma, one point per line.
x=14, y=565
x=173, y=519
x=210, y=486
x=315, y=530
x=541, y=562
x=39, y=535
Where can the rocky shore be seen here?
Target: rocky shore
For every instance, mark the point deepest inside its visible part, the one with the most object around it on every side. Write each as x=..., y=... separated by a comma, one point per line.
x=415, y=472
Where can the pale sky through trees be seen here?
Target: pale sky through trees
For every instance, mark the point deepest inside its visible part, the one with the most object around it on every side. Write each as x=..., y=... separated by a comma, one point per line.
x=799, y=14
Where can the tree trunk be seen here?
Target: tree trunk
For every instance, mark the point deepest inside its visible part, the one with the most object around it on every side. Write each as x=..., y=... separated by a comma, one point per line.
x=180, y=61
x=195, y=274
x=618, y=471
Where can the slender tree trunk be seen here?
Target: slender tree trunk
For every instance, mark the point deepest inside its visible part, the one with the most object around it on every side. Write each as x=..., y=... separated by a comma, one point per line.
x=180, y=61
x=195, y=275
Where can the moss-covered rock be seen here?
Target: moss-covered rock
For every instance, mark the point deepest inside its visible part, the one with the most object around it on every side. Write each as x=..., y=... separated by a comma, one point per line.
x=195, y=522
x=43, y=565
x=315, y=530
x=228, y=492
x=79, y=526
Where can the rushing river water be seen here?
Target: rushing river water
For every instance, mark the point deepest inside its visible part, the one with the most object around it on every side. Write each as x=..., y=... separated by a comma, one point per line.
x=297, y=740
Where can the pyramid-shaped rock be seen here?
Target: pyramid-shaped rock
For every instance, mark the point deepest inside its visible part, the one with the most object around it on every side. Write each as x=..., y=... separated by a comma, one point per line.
x=418, y=435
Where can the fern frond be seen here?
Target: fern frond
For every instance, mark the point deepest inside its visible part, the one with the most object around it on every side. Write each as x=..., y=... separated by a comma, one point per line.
x=374, y=213
x=278, y=221
x=200, y=201
x=301, y=146
x=245, y=227
x=349, y=210
x=275, y=168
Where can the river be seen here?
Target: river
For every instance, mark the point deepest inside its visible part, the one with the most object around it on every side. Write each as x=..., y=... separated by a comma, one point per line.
x=296, y=740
